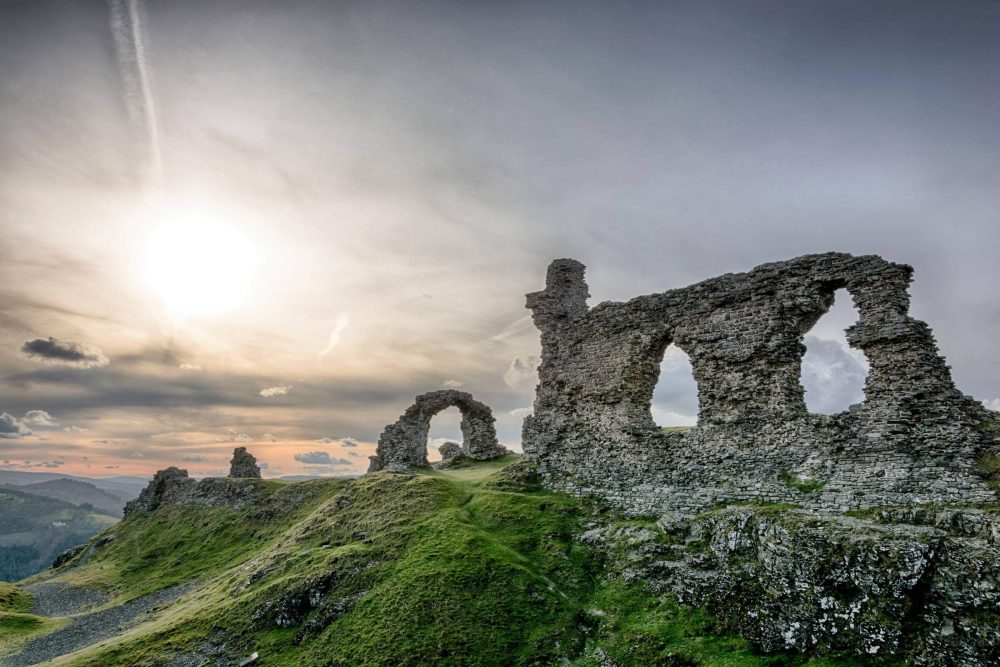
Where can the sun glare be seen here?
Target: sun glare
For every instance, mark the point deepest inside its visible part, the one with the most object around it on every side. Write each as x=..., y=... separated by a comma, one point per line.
x=198, y=263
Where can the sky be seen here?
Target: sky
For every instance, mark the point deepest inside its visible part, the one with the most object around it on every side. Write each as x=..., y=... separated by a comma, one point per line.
x=273, y=224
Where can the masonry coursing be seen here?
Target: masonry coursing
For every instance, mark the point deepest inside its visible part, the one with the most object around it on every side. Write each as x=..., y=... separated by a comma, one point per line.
x=915, y=439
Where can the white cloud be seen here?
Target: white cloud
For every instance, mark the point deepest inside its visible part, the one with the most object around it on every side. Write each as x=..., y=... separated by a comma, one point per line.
x=278, y=390
x=992, y=404
x=521, y=371
x=348, y=442
x=453, y=384
x=190, y=367
x=269, y=437
x=521, y=413
x=39, y=419
x=326, y=441
x=235, y=436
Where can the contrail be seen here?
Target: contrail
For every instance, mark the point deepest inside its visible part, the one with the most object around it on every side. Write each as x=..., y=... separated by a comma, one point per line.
x=339, y=325
x=126, y=28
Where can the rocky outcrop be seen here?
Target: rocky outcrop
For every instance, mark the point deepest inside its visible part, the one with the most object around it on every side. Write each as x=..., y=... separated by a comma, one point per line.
x=914, y=440
x=243, y=465
x=404, y=443
x=167, y=486
x=798, y=580
x=172, y=486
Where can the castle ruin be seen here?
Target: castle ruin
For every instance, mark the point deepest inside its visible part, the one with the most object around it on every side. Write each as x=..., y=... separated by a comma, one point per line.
x=913, y=440
x=404, y=443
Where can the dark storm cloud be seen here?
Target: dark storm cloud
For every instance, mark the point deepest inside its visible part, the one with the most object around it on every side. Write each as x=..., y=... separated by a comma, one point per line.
x=55, y=351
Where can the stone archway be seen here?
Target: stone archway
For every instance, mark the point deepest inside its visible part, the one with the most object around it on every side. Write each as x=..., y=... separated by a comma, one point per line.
x=405, y=441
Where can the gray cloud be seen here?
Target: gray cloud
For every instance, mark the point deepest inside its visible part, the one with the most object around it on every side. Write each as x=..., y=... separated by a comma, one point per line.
x=11, y=427
x=522, y=370
x=833, y=376
x=320, y=458
x=55, y=351
x=195, y=459
x=348, y=442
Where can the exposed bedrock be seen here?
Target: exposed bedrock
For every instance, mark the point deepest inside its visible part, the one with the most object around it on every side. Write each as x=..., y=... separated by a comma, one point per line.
x=404, y=443
x=927, y=590
x=915, y=439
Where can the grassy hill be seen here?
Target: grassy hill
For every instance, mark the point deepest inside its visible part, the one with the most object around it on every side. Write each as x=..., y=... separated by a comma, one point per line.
x=476, y=566
x=34, y=530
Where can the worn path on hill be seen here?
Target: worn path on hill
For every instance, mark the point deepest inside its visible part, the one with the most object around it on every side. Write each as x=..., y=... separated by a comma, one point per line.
x=56, y=599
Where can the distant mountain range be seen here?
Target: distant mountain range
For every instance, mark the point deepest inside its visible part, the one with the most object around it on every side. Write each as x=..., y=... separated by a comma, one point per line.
x=123, y=487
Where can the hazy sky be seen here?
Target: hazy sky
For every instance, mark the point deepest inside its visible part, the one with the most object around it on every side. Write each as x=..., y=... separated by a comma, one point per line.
x=275, y=223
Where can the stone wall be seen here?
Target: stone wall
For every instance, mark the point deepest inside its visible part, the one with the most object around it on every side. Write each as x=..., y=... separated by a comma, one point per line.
x=915, y=439
x=404, y=442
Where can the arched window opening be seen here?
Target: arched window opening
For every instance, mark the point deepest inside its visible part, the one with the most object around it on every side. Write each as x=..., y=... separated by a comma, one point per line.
x=675, y=396
x=833, y=372
x=445, y=427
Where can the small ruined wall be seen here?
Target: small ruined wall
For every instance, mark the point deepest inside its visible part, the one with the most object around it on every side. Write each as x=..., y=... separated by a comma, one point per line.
x=914, y=439
x=404, y=442
x=172, y=486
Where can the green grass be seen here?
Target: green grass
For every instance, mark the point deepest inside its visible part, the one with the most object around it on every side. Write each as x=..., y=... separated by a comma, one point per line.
x=17, y=626
x=803, y=485
x=472, y=566
x=13, y=599
x=15, y=629
x=675, y=429
x=990, y=466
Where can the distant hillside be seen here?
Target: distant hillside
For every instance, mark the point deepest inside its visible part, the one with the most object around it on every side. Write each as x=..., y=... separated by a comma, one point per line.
x=123, y=487
x=35, y=529
x=77, y=492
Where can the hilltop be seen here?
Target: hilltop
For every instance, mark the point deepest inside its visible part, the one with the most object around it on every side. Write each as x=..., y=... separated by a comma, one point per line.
x=479, y=565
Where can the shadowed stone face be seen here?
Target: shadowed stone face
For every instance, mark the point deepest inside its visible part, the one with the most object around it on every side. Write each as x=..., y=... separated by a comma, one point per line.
x=243, y=465
x=913, y=440
x=405, y=442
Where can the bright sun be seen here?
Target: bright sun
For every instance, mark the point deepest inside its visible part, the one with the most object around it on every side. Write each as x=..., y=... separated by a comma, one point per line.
x=198, y=263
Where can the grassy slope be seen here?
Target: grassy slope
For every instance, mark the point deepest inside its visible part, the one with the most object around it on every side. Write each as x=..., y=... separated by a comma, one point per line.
x=16, y=625
x=458, y=567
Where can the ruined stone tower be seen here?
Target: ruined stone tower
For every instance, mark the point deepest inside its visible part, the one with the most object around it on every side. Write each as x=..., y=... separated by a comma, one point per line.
x=913, y=440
